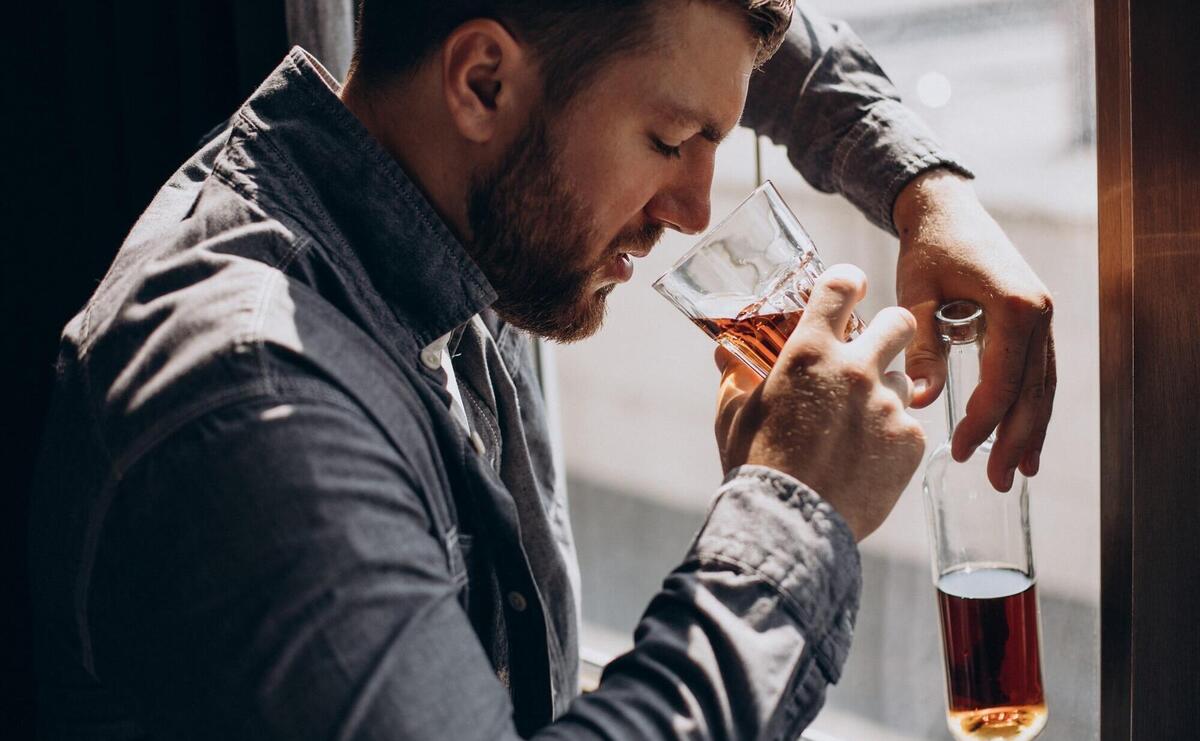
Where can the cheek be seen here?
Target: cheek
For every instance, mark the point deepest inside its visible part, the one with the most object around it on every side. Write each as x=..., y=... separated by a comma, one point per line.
x=617, y=195
x=619, y=206
x=614, y=177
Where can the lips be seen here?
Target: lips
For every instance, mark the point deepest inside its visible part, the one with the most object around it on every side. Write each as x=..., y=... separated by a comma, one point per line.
x=638, y=243
x=621, y=267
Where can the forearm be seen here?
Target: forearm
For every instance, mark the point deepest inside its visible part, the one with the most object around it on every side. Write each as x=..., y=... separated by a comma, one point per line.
x=828, y=102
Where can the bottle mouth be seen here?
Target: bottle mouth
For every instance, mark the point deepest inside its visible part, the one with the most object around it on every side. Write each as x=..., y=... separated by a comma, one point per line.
x=960, y=322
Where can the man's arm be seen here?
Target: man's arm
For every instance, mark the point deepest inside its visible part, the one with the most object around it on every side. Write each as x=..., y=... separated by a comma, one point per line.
x=269, y=572
x=824, y=97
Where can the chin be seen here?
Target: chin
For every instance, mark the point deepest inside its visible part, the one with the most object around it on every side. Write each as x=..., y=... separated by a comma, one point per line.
x=586, y=320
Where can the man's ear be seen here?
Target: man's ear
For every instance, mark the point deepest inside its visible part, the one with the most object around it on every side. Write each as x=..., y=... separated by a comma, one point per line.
x=485, y=79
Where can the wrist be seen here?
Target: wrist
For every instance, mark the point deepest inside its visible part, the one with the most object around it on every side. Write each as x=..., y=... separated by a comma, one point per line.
x=927, y=194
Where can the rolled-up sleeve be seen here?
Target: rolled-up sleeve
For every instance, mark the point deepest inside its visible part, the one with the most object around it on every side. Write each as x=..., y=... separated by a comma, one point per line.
x=269, y=572
x=825, y=99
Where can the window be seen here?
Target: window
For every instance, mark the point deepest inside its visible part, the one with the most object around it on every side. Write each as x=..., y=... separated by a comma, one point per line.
x=1007, y=84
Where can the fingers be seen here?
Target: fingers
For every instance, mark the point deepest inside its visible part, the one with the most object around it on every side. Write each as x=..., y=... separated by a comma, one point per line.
x=924, y=360
x=724, y=359
x=736, y=376
x=1002, y=377
x=884, y=338
x=1032, y=458
x=737, y=381
x=833, y=298
x=1018, y=426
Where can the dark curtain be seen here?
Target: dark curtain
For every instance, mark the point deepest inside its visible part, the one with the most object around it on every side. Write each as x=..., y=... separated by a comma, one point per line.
x=104, y=100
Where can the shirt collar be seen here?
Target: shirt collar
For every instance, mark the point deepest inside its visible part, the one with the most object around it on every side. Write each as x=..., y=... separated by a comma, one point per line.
x=353, y=195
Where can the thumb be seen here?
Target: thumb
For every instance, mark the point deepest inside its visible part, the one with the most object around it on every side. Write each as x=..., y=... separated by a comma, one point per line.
x=923, y=359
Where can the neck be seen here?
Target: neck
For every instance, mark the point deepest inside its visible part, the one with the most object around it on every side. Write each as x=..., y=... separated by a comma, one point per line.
x=962, y=365
x=401, y=116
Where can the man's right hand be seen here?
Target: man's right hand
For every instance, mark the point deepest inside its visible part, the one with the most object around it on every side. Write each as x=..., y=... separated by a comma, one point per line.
x=830, y=413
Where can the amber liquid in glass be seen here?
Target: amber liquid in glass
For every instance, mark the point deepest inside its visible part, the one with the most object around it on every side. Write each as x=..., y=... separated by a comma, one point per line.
x=993, y=659
x=758, y=338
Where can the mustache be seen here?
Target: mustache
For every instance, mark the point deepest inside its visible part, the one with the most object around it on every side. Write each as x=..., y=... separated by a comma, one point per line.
x=640, y=238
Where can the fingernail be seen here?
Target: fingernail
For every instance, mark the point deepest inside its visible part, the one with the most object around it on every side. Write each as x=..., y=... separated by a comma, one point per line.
x=920, y=386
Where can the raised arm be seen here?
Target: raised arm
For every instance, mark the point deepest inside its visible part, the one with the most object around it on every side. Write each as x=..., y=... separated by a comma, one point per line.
x=824, y=98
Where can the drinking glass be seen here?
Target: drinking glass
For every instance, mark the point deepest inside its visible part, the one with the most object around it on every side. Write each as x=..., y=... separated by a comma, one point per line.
x=747, y=281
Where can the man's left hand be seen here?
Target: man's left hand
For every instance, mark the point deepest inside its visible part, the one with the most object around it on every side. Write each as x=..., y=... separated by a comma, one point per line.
x=951, y=248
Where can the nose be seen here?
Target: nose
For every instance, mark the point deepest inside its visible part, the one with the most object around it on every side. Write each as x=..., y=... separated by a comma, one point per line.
x=683, y=204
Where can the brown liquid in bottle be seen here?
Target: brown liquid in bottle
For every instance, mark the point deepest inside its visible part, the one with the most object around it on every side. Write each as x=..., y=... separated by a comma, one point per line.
x=993, y=658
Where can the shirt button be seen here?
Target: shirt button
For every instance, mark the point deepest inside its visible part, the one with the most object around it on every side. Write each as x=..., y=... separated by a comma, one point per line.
x=431, y=359
x=516, y=600
x=477, y=443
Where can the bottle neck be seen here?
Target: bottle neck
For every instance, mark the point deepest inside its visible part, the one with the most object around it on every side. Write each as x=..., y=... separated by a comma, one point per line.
x=962, y=376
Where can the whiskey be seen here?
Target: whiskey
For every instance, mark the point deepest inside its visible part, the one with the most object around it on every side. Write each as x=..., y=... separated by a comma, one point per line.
x=755, y=338
x=758, y=338
x=989, y=621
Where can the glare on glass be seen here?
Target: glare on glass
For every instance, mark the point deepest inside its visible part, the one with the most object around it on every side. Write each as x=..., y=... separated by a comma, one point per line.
x=748, y=280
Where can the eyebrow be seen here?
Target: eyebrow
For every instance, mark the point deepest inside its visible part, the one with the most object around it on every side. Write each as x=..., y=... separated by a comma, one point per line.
x=690, y=117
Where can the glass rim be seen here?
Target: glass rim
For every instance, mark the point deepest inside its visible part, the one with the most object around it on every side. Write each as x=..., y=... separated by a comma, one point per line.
x=959, y=312
x=960, y=322
x=766, y=187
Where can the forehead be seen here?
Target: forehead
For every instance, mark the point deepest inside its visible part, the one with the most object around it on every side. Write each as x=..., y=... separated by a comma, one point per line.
x=695, y=76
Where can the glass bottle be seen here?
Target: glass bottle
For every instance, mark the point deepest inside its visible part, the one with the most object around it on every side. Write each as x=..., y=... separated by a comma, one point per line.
x=982, y=567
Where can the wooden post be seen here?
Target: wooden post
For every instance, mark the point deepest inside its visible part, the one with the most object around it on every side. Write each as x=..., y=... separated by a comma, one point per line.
x=1148, y=149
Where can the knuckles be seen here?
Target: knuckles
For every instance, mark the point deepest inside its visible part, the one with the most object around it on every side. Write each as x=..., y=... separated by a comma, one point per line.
x=1030, y=308
x=858, y=379
x=805, y=353
x=844, y=286
x=890, y=405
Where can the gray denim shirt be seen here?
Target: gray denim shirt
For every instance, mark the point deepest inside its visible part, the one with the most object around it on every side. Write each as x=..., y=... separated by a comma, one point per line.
x=257, y=517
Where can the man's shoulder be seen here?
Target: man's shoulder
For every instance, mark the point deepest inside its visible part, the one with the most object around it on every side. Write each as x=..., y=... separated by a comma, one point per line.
x=200, y=313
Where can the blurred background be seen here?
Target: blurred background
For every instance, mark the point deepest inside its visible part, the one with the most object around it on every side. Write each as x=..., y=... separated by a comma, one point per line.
x=1008, y=85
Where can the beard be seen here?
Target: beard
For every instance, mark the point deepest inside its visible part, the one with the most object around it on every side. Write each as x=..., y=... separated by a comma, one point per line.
x=532, y=236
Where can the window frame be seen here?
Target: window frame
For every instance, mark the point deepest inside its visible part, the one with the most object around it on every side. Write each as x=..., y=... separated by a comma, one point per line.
x=1149, y=253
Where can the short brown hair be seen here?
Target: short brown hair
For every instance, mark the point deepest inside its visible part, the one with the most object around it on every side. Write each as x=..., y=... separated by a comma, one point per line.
x=572, y=38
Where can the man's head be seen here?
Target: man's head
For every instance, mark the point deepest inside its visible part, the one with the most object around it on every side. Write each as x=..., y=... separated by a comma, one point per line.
x=561, y=138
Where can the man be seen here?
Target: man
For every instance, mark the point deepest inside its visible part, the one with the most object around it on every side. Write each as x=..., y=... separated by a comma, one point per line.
x=297, y=482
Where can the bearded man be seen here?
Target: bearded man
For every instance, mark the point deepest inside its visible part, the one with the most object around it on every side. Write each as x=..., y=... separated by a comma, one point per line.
x=297, y=481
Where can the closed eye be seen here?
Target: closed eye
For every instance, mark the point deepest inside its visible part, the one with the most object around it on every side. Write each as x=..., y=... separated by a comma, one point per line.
x=665, y=149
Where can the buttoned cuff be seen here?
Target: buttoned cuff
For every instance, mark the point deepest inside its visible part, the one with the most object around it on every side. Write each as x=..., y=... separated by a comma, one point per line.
x=883, y=152
x=774, y=527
